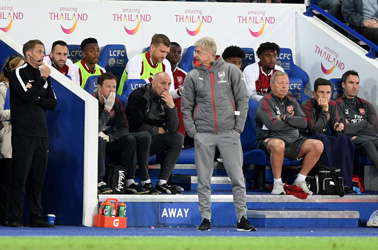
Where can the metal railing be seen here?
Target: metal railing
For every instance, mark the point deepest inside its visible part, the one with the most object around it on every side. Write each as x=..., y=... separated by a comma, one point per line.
x=373, y=47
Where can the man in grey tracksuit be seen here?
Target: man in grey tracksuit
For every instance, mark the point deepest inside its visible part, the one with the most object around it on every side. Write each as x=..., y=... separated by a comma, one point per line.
x=214, y=106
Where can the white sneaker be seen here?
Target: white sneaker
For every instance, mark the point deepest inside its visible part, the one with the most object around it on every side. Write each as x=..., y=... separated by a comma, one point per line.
x=278, y=188
x=303, y=186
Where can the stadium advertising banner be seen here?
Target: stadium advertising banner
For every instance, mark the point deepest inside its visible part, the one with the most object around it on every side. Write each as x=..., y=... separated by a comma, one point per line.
x=134, y=23
x=331, y=54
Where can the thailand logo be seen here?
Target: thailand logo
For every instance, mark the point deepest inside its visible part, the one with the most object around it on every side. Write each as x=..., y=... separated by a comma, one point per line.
x=362, y=111
x=330, y=59
x=289, y=109
x=258, y=19
x=195, y=19
x=133, y=17
x=7, y=16
x=70, y=17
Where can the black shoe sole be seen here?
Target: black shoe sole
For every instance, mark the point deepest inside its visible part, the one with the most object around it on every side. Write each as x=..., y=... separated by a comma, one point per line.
x=246, y=230
x=106, y=192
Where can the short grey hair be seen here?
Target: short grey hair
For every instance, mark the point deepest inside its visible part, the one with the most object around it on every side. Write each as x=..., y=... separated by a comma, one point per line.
x=207, y=44
x=277, y=74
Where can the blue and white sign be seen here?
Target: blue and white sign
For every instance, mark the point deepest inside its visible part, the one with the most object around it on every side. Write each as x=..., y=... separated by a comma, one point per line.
x=175, y=213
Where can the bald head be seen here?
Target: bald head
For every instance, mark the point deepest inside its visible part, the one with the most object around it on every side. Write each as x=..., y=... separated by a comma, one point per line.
x=161, y=83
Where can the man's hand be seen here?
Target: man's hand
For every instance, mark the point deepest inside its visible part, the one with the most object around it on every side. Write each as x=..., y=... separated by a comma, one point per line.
x=339, y=126
x=323, y=103
x=103, y=136
x=369, y=23
x=108, y=103
x=45, y=71
x=278, y=117
x=161, y=130
x=167, y=98
x=28, y=85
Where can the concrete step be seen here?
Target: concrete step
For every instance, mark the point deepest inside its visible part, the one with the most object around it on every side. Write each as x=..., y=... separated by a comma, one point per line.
x=303, y=218
x=190, y=182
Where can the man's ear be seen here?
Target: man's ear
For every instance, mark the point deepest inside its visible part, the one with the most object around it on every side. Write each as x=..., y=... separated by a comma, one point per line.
x=313, y=93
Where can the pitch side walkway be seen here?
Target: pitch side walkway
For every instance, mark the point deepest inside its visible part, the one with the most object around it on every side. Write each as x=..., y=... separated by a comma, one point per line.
x=61, y=231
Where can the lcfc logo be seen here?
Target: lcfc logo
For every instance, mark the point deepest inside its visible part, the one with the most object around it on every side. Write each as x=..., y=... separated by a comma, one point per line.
x=258, y=19
x=133, y=17
x=69, y=17
x=7, y=16
x=330, y=59
x=194, y=19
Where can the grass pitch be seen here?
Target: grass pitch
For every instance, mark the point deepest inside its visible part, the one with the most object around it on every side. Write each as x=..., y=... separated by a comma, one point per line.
x=208, y=243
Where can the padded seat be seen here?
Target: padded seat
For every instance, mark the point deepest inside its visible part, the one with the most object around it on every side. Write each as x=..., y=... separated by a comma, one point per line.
x=249, y=57
x=336, y=88
x=130, y=85
x=298, y=77
x=74, y=52
x=113, y=58
x=187, y=59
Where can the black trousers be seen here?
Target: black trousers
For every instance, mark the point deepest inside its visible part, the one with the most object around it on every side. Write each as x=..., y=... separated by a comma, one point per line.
x=5, y=188
x=171, y=144
x=143, y=142
x=121, y=151
x=367, y=145
x=29, y=164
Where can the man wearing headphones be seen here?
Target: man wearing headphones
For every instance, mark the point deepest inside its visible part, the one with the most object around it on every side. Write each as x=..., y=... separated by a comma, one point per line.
x=31, y=94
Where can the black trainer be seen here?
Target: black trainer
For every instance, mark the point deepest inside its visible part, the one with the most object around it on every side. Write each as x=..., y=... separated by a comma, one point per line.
x=150, y=188
x=103, y=188
x=245, y=226
x=205, y=225
x=15, y=223
x=134, y=188
x=349, y=190
x=168, y=189
x=39, y=222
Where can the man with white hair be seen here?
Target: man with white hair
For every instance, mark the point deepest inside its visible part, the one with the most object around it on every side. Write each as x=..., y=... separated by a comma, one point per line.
x=214, y=106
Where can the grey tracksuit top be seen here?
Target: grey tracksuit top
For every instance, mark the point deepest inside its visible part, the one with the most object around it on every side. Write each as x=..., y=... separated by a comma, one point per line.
x=267, y=124
x=215, y=99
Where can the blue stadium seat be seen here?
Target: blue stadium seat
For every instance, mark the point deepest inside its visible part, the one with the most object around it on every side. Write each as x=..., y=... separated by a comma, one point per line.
x=146, y=49
x=187, y=59
x=130, y=85
x=186, y=157
x=91, y=84
x=249, y=57
x=74, y=52
x=336, y=88
x=113, y=58
x=298, y=77
x=251, y=154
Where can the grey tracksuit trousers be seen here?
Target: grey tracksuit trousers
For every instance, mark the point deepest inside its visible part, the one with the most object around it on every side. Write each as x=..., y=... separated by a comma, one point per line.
x=229, y=145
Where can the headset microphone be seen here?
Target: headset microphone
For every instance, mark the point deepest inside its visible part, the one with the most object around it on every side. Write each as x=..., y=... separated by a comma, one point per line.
x=32, y=58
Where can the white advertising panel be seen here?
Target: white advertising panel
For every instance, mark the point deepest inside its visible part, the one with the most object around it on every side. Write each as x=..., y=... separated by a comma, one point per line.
x=134, y=23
